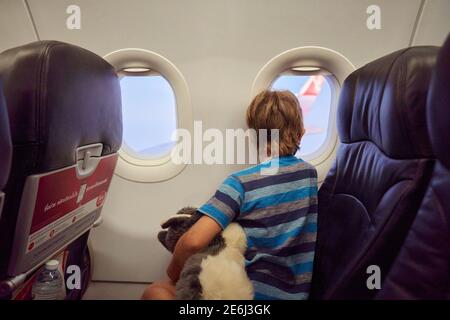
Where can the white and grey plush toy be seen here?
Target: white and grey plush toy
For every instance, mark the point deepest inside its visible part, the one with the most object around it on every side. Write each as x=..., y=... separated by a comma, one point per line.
x=218, y=271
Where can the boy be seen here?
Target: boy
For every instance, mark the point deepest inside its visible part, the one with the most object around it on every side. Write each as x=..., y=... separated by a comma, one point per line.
x=278, y=212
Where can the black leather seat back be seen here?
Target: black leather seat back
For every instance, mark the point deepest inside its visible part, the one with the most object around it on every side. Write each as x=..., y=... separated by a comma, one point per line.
x=382, y=168
x=422, y=269
x=5, y=146
x=60, y=97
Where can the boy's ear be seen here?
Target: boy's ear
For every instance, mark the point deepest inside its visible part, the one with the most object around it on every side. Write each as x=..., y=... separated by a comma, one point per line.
x=302, y=133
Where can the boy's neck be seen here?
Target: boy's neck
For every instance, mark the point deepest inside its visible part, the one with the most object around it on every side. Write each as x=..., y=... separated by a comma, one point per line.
x=266, y=158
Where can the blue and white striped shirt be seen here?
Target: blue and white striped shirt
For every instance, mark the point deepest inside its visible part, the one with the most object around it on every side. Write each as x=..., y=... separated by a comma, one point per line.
x=279, y=216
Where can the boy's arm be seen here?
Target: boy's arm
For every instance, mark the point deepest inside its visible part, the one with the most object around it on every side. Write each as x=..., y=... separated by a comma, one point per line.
x=218, y=212
x=194, y=240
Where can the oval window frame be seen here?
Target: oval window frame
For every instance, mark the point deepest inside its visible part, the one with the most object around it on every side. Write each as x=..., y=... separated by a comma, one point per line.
x=155, y=169
x=314, y=60
x=125, y=151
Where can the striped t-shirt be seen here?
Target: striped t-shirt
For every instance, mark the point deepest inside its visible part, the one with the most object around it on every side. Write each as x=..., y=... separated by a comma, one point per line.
x=278, y=213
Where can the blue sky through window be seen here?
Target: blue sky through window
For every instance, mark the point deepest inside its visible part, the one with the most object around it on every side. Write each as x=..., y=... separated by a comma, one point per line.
x=316, y=110
x=149, y=115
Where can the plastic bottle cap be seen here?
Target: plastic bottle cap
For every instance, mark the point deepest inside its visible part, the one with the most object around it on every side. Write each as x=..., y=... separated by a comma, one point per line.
x=52, y=265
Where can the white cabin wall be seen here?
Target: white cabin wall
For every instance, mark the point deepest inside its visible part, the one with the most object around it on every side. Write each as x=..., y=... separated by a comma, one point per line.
x=434, y=24
x=219, y=46
x=15, y=25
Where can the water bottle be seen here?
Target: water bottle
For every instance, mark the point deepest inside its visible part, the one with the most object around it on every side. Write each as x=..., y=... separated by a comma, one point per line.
x=48, y=283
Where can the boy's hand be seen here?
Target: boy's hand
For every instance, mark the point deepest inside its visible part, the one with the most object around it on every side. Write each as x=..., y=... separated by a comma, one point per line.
x=195, y=239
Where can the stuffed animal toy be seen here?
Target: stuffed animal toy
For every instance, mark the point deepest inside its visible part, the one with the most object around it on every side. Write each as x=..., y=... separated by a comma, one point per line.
x=216, y=272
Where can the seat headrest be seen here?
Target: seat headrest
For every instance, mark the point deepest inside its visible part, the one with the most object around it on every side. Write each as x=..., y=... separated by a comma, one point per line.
x=60, y=97
x=385, y=102
x=5, y=142
x=439, y=106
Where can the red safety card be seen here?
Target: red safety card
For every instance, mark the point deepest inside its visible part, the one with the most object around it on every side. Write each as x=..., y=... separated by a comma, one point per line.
x=63, y=199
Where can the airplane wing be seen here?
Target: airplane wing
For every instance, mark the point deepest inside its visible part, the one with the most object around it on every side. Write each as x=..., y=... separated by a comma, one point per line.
x=307, y=96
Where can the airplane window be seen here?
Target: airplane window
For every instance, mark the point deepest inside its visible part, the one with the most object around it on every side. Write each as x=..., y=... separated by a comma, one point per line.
x=149, y=116
x=314, y=95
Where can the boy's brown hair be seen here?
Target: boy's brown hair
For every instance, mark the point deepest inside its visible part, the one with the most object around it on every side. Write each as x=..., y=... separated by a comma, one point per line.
x=278, y=110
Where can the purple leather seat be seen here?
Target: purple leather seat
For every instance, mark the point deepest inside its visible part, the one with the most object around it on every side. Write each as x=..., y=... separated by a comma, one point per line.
x=379, y=178
x=422, y=269
x=65, y=115
x=5, y=146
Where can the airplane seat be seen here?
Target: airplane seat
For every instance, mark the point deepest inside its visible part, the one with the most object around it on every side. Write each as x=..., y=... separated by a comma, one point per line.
x=422, y=269
x=64, y=107
x=374, y=188
x=5, y=147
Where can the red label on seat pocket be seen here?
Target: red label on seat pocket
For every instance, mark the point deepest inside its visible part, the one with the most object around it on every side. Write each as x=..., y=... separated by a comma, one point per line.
x=63, y=199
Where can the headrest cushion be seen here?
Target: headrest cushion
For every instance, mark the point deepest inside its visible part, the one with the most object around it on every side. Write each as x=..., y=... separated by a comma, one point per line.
x=385, y=102
x=439, y=106
x=5, y=142
x=60, y=97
